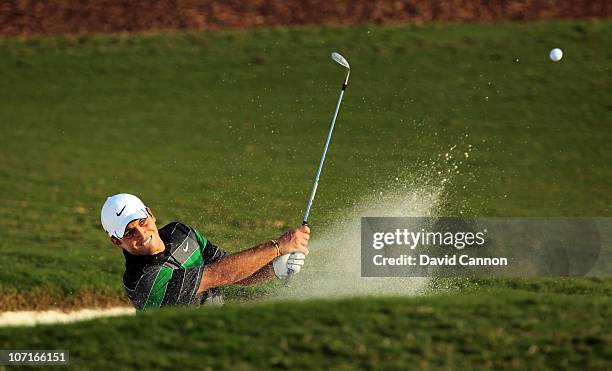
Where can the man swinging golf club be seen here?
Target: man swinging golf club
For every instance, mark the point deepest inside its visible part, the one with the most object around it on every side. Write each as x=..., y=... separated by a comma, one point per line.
x=176, y=265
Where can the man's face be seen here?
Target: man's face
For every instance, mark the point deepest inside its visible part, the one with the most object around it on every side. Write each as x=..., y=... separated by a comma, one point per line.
x=141, y=237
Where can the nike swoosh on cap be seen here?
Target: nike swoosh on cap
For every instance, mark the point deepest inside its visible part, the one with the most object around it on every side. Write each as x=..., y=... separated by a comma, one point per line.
x=119, y=213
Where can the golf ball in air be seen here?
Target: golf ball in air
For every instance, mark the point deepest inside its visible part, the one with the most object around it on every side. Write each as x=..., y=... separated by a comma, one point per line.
x=556, y=54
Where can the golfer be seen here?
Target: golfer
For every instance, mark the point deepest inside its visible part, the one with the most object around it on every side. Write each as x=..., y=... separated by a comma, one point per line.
x=176, y=265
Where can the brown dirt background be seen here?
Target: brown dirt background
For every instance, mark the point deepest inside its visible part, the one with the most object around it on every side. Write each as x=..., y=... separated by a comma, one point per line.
x=47, y=17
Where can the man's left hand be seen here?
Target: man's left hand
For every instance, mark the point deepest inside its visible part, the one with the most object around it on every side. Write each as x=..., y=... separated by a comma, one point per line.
x=283, y=263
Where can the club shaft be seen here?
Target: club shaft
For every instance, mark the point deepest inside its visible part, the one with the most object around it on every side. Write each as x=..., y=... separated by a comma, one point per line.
x=316, y=181
x=329, y=135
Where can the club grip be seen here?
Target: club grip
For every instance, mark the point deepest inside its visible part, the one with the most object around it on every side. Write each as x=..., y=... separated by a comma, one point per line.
x=291, y=272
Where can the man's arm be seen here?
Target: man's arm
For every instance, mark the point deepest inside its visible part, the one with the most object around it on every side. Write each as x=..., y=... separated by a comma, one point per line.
x=237, y=267
x=261, y=275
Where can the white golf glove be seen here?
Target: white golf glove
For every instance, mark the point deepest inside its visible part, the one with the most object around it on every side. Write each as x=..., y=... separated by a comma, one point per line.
x=292, y=261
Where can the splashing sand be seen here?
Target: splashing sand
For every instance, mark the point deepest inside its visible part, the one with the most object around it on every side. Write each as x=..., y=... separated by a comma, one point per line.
x=333, y=267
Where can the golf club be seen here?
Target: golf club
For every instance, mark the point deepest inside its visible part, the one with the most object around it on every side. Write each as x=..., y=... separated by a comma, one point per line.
x=343, y=62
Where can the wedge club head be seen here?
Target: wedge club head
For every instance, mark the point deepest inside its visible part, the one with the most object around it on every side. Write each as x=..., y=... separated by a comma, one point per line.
x=344, y=63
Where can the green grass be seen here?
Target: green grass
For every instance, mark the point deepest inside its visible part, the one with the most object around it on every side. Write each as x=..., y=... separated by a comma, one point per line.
x=223, y=130
x=499, y=329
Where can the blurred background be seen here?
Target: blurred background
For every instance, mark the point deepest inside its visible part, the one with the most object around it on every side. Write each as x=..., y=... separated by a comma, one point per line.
x=42, y=17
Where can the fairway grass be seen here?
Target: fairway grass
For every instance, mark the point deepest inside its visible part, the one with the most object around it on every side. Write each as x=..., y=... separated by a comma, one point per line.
x=497, y=329
x=223, y=131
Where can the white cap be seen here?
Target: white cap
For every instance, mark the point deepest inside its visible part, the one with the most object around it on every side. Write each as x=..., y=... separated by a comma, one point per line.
x=119, y=210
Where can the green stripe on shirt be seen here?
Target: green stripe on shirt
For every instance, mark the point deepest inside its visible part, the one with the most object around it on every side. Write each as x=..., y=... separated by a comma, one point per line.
x=201, y=239
x=158, y=290
x=196, y=259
